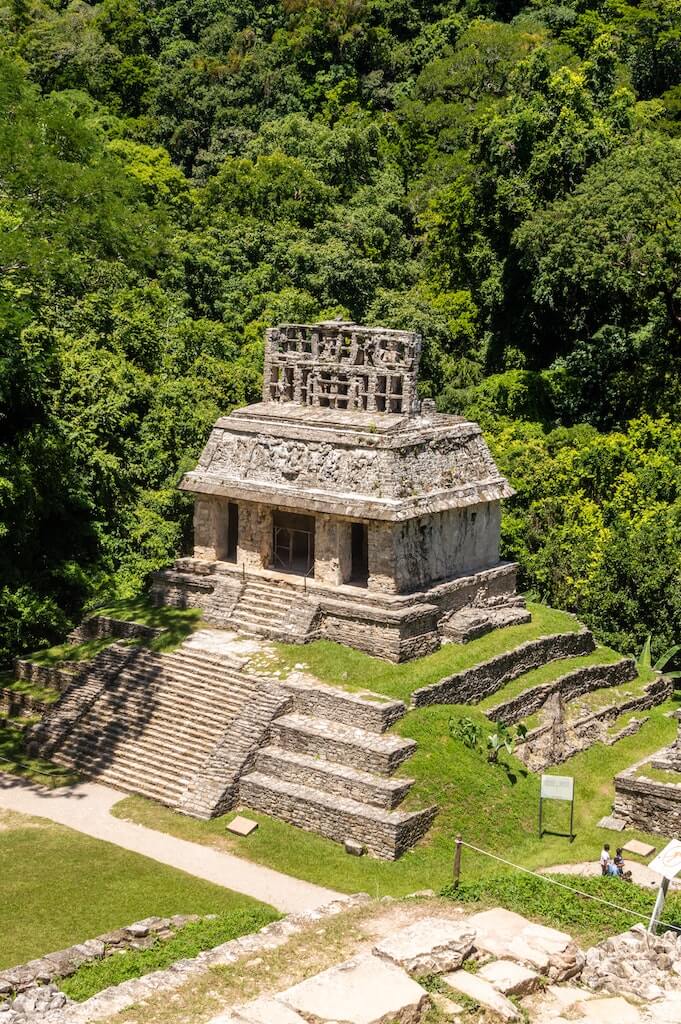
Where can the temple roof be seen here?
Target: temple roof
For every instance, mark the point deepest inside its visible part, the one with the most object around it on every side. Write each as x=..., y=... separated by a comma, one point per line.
x=356, y=463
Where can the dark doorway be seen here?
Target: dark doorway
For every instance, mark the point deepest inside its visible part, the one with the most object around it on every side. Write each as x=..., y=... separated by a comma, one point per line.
x=359, y=548
x=293, y=543
x=232, y=530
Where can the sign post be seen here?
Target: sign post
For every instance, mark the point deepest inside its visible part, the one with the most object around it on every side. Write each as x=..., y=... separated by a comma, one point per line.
x=557, y=787
x=668, y=864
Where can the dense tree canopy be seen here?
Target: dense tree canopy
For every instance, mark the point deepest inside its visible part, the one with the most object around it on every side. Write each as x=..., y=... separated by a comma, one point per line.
x=503, y=176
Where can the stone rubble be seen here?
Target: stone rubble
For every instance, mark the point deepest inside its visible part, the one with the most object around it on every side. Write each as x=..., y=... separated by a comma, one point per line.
x=635, y=963
x=29, y=989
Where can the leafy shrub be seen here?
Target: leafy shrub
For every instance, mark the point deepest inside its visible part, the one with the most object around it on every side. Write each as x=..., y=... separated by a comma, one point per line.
x=584, y=918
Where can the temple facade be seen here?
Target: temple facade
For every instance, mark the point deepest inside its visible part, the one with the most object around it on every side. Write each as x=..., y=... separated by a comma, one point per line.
x=341, y=506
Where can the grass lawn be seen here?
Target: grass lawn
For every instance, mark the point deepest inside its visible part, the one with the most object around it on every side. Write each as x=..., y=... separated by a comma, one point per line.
x=353, y=670
x=60, y=887
x=15, y=761
x=178, y=623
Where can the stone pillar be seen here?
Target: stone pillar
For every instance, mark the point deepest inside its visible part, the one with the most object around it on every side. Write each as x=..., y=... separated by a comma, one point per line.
x=254, y=548
x=344, y=550
x=210, y=528
x=326, y=560
x=382, y=569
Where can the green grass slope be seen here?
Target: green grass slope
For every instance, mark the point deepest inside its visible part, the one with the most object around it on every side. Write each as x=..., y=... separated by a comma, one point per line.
x=61, y=887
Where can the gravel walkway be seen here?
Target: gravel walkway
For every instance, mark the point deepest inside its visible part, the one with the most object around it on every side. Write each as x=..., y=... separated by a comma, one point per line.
x=86, y=808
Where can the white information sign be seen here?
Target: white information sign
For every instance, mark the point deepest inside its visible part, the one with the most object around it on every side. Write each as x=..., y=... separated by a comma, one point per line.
x=668, y=861
x=557, y=787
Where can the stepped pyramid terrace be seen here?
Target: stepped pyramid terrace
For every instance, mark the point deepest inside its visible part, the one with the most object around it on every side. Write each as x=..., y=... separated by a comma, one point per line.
x=343, y=507
x=340, y=508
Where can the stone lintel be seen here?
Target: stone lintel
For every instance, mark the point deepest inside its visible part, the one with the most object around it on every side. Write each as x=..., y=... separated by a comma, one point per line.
x=348, y=505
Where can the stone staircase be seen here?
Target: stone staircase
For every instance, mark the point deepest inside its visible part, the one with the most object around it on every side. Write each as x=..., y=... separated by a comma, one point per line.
x=270, y=610
x=178, y=728
x=328, y=776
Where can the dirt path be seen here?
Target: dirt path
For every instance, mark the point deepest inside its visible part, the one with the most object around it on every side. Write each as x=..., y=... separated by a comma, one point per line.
x=86, y=808
x=640, y=874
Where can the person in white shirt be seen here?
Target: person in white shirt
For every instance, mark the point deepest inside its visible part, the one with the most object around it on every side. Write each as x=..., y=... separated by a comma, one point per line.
x=605, y=858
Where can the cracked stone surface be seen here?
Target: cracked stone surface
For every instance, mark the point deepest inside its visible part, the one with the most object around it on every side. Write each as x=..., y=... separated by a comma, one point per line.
x=482, y=992
x=430, y=946
x=364, y=990
x=508, y=935
x=510, y=978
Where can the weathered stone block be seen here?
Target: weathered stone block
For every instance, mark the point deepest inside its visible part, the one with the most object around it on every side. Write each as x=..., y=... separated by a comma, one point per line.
x=430, y=946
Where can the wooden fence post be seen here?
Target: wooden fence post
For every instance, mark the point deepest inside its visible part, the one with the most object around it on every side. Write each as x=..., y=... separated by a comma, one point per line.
x=457, y=860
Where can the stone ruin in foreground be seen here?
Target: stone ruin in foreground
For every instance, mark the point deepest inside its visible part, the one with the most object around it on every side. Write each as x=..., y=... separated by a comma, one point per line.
x=342, y=507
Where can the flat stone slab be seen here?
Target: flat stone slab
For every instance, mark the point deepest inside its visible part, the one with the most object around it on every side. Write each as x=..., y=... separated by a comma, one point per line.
x=364, y=990
x=431, y=946
x=510, y=978
x=640, y=849
x=266, y=1011
x=614, y=1010
x=242, y=826
x=510, y=936
x=612, y=823
x=447, y=1007
x=483, y=993
x=567, y=996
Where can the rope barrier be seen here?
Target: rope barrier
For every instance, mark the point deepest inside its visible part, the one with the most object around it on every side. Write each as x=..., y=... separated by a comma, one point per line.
x=562, y=885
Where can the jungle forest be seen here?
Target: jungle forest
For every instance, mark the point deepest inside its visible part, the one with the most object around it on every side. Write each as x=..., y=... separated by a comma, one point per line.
x=178, y=175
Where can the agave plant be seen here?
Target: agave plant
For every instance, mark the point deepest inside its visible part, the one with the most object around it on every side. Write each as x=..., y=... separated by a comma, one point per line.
x=644, y=660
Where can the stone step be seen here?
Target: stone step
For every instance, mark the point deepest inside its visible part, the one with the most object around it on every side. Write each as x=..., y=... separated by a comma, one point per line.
x=263, y=599
x=169, y=704
x=184, y=744
x=202, y=658
x=334, y=741
x=150, y=755
x=154, y=787
x=385, y=834
x=190, y=675
x=330, y=777
x=183, y=682
x=373, y=712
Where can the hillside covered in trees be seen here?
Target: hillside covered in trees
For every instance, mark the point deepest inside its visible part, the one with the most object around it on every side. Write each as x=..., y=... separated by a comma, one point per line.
x=176, y=175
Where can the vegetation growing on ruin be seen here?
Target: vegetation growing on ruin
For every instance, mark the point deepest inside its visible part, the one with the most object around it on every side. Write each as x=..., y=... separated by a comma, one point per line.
x=501, y=176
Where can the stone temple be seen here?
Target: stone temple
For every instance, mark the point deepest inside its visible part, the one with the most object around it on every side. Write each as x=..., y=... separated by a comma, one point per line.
x=343, y=507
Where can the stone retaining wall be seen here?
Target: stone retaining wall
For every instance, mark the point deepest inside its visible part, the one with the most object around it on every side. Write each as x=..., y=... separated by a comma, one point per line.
x=332, y=777
x=570, y=686
x=648, y=805
x=103, y=627
x=385, y=834
x=537, y=752
x=312, y=698
x=474, y=684
x=24, y=984
x=58, y=676
x=14, y=703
